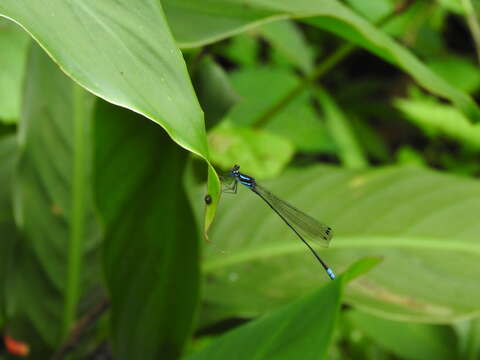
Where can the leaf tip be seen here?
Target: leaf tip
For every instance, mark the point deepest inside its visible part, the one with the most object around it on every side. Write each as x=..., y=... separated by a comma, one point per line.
x=361, y=266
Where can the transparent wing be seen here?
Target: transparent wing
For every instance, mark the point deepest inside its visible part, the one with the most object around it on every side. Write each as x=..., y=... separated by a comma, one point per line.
x=229, y=184
x=304, y=224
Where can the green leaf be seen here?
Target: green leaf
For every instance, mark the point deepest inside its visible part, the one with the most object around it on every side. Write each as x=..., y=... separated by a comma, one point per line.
x=243, y=49
x=453, y=5
x=436, y=118
x=288, y=332
x=13, y=45
x=126, y=55
x=459, y=72
x=349, y=149
x=423, y=224
x=289, y=41
x=374, y=11
x=406, y=155
x=218, y=19
x=408, y=340
x=300, y=123
x=53, y=205
x=151, y=250
x=258, y=151
x=194, y=24
x=251, y=84
x=469, y=338
x=214, y=91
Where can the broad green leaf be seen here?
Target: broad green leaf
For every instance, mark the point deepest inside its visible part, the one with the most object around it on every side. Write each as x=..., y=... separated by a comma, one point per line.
x=255, y=102
x=13, y=51
x=151, y=250
x=218, y=19
x=423, y=224
x=195, y=23
x=289, y=41
x=257, y=151
x=53, y=201
x=124, y=53
x=436, y=118
x=302, y=329
x=408, y=340
x=349, y=149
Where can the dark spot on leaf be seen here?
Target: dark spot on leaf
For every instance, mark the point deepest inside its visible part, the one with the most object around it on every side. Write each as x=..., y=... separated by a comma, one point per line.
x=208, y=199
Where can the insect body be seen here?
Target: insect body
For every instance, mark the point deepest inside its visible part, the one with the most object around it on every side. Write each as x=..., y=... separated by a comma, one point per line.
x=303, y=225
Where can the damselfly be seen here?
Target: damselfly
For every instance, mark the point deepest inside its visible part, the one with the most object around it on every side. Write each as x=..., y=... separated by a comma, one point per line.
x=303, y=225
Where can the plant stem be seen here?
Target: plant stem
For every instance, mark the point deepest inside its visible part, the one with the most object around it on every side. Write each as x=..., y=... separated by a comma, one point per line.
x=338, y=55
x=77, y=212
x=330, y=62
x=472, y=24
x=79, y=329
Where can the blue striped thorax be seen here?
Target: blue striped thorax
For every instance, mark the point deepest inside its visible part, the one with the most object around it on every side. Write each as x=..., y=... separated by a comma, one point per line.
x=246, y=180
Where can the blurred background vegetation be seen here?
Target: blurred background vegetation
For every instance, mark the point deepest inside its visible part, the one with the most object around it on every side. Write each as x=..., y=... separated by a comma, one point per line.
x=361, y=113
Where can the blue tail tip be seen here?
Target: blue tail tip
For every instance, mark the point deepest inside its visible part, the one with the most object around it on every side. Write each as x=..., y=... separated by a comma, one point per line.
x=331, y=274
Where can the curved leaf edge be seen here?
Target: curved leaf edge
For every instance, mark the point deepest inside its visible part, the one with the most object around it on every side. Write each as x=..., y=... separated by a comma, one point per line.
x=213, y=178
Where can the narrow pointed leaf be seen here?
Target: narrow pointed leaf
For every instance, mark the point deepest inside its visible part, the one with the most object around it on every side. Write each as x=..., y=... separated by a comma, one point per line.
x=302, y=329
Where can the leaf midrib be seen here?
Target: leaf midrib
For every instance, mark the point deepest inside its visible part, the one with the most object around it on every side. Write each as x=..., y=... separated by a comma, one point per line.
x=350, y=242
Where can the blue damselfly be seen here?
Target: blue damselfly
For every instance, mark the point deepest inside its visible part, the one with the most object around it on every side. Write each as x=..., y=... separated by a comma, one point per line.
x=303, y=225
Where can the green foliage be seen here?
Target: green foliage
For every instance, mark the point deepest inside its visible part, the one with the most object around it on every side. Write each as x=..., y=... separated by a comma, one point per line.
x=460, y=72
x=286, y=38
x=416, y=238
x=13, y=42
x=408, y=340
x=361, y=113
x=124, y=55
x=349, y=150
x=214, y=91
x=53, y=205
x=330, y=15
x=289, y=331
x=259, y=151
x=151, y=261
x=440, y=119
